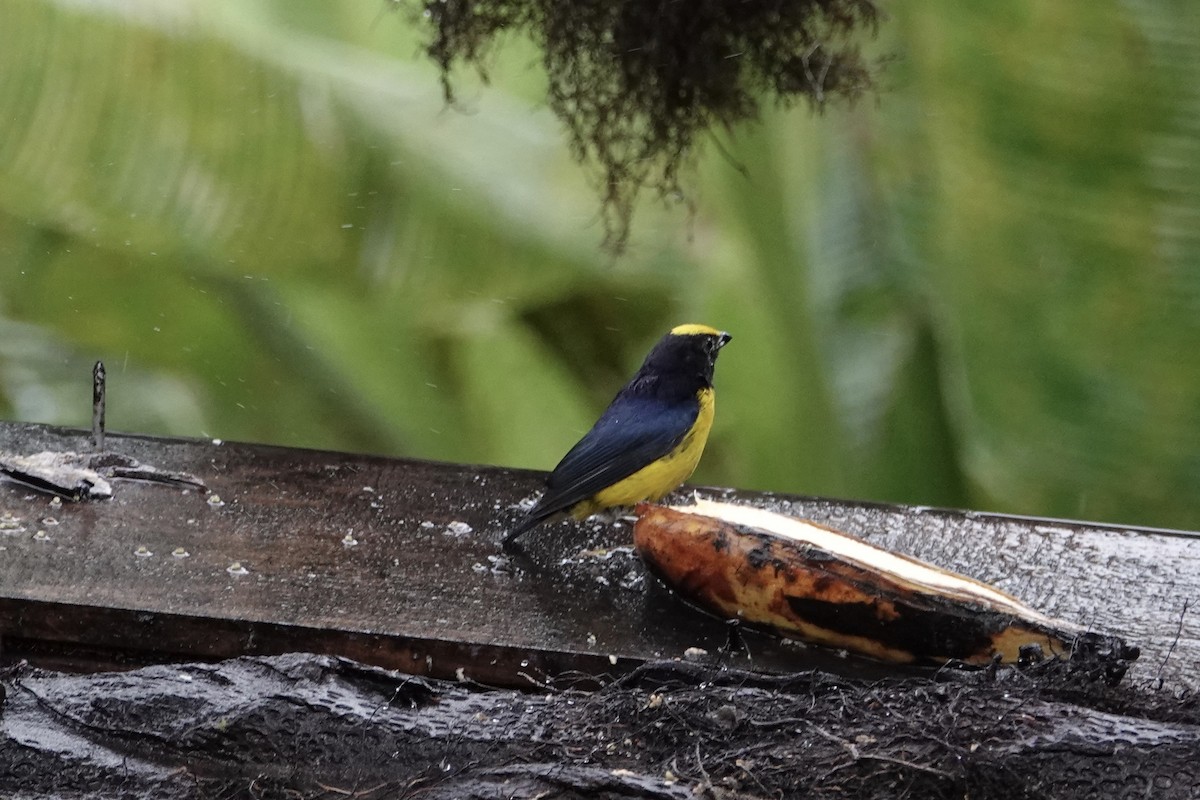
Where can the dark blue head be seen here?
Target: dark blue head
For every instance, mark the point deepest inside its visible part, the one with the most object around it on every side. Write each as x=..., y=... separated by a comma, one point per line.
x=682, y=362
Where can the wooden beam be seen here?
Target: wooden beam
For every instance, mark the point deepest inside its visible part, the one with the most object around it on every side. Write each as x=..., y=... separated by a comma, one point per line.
x=304, y=726
x=396, y=562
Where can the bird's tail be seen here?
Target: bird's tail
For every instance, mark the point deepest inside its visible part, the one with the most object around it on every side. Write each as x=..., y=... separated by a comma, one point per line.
x=534, y=518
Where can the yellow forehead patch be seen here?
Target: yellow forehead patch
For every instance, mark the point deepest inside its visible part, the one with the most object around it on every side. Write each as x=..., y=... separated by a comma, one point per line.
x=693, y=329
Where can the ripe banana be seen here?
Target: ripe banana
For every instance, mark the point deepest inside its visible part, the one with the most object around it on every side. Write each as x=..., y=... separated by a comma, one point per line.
x=819, y=585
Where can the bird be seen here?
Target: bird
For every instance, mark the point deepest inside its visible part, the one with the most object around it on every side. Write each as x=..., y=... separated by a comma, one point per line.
x=649, y=439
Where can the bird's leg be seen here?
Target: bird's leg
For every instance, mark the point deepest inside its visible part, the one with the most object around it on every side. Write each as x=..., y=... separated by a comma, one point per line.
x=610, y=516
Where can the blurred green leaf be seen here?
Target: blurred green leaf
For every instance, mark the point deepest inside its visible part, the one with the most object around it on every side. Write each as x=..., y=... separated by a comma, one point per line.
x=982, y=288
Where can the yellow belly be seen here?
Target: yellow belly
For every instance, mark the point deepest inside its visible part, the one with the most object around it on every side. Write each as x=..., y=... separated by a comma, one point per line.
x=659, y=478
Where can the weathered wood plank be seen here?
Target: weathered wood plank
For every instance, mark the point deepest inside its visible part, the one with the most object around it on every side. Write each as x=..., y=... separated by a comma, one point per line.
x=396, y=562
x=302, y=726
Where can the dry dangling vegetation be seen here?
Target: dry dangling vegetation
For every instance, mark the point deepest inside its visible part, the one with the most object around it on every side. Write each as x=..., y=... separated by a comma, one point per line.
x=637, y=83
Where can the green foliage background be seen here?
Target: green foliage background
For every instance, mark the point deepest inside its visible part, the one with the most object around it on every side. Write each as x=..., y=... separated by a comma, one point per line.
x=980, y=289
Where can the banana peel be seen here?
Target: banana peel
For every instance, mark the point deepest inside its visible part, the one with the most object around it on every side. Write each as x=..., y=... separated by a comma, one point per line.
x=819, y=585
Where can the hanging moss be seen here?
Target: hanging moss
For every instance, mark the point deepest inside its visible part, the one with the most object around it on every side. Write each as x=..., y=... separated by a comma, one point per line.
x=636, y=82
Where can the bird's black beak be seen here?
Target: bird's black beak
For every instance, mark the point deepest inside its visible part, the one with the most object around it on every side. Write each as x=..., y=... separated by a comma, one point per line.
x=723, y=339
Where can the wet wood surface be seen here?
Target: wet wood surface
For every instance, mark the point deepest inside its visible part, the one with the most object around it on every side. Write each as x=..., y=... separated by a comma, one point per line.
x=316, y=727
x=397, y=563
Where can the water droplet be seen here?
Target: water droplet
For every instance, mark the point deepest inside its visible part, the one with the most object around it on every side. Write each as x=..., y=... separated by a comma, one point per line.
x=179, y=552
x=142, y=551
x=632, y=580
x=41, y=536
x=215, y=500
x=236, y=568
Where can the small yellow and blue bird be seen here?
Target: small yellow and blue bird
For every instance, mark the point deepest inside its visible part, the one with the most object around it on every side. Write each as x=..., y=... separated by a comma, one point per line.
x=649, y=439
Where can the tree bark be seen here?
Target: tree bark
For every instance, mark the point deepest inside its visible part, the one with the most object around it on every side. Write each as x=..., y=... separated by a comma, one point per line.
x=303, y=726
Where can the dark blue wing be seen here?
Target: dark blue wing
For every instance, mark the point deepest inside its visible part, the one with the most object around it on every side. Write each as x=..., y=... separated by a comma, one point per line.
x=632, y=433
